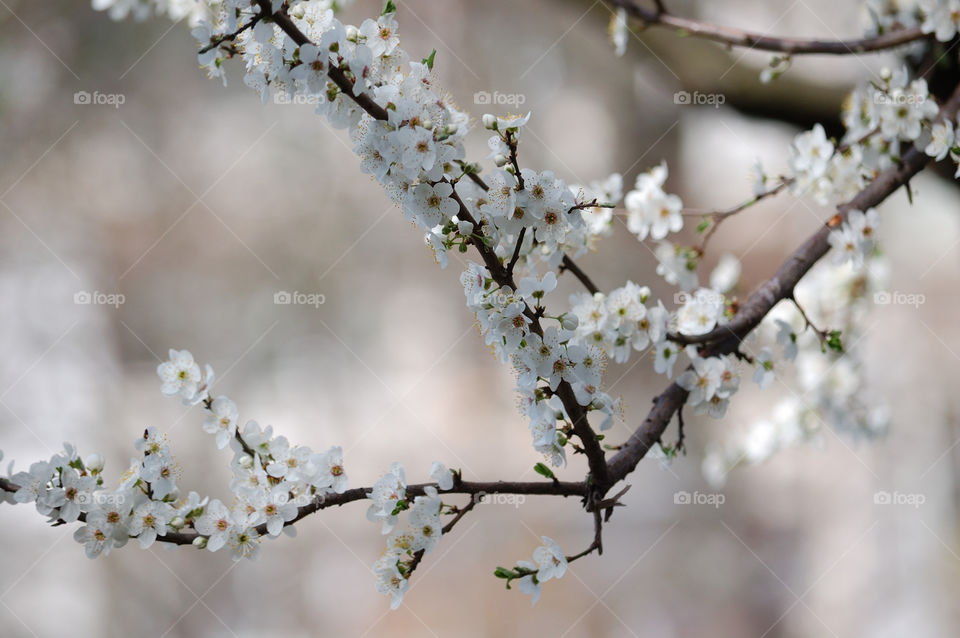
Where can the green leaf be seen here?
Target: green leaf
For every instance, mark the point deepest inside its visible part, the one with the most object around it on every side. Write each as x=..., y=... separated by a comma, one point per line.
x=703, y=225
x=833, y=341
x=401, y=506
x=389, y=8
x=543, y=470
x=429, y=59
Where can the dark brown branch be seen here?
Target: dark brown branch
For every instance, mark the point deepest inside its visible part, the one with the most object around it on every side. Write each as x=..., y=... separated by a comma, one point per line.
x=230, y=37
x=737, y=37
x=781, y=285
x=597, y=544
x=337, y=75
x=460, y=513
x=569, y=264
x=726, y=339
x=474, y=488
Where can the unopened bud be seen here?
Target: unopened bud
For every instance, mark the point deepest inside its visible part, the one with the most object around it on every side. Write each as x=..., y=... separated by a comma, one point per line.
x=177, y=522
x=500, y=160
x=94, y=463
x=246, y=461
x=200, y=542
x=570, y=321
x=490, y=121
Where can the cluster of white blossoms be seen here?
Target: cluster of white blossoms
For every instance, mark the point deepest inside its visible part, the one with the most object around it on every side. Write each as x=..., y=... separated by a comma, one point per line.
x=855, y=238
x=541, y=361
x=711, y=382
x=650, y=211
x=938, y=17
x=271, y=479
x=878, y=117
x=830, y=389
x=548, y=563
x=619, y=322
x=406, y=546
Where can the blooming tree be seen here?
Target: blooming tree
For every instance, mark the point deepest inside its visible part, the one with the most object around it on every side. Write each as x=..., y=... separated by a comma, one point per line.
x=525, y=228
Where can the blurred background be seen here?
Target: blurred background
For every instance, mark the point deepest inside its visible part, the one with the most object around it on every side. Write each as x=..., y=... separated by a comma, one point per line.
x=197, y=204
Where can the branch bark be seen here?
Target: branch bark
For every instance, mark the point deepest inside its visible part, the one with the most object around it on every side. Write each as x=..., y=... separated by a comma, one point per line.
x=732, y=36
x=475, y=488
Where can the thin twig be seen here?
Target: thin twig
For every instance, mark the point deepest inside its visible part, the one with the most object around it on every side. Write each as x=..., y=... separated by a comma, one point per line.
x=230, y=37
x=568, y=264
x=757, y=41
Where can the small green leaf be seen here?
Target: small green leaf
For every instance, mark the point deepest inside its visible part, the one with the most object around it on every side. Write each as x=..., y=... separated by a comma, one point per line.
x=543, y=470
x=703, y=225
x=429, y=59
x=833, y=341
x=389, y=8
x=401, y=506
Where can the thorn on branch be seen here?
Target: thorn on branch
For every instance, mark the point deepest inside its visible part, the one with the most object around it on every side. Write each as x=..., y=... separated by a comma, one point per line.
x=680, y=446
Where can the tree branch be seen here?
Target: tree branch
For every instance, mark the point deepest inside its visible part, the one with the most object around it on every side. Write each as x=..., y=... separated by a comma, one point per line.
x=781, y=285
x=738, y=37
x=727, y=338
x=475, y=488
x=568, y=264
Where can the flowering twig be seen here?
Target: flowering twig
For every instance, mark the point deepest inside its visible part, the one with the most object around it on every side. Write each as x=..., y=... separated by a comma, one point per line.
x=473, y=488
x=230, y=37
x=715, y=218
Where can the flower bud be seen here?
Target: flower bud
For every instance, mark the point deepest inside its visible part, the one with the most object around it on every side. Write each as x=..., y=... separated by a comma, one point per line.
x=500, y=160
x=353, y=34
x=490, y=121
x=177, y=522
x=246, y=461
x=570, y=321
x=94, y=463
x=465, y=228
x=200, y=542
